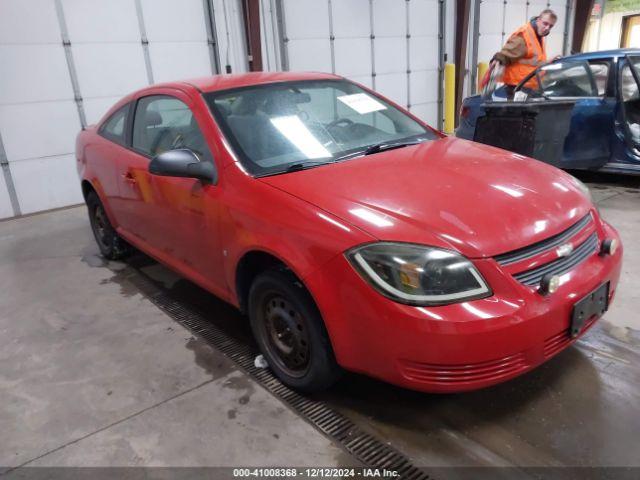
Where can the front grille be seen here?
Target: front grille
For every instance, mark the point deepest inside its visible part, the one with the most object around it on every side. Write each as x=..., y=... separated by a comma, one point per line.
x=544, y=245
x=456, y=374
x=561, y=265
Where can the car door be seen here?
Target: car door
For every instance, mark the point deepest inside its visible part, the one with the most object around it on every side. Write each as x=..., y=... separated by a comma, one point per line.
x=628, y=118
x=104, y=158
x=590, y=132
x=176, y=218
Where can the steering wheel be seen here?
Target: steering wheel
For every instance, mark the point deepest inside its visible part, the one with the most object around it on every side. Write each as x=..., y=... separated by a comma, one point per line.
x=177, y=142
x=156, y=141
x=338, y=121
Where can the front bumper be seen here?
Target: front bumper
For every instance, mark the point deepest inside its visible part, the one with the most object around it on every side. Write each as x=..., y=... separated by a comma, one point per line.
x=456, y=347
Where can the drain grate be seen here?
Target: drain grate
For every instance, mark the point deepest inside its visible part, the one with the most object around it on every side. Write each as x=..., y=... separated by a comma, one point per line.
x=366, y=448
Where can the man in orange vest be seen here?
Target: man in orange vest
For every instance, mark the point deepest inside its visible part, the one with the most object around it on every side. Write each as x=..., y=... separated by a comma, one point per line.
x=525, y=51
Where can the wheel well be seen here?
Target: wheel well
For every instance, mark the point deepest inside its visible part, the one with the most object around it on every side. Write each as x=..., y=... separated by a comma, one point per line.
x=87, y=188
x=250, y=266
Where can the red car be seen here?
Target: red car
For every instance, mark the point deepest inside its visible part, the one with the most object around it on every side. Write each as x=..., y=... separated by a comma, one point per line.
x=354, y=235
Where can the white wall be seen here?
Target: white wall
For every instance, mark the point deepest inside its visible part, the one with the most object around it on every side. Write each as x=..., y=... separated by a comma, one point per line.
x=177, y=49
x=231, y=36
x=39, y=118
x=401, y=61
x=269, y=37
x=5, y=201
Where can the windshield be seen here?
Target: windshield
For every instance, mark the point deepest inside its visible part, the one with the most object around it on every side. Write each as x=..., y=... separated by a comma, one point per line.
x=278, y=126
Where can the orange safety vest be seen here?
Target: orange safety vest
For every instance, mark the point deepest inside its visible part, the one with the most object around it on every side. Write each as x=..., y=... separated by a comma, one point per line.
x=515, y=72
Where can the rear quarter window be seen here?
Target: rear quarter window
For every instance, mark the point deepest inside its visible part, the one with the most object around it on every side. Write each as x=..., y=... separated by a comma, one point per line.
x=114, y=127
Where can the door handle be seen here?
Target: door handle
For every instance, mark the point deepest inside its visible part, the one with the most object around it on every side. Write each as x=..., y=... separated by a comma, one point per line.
x=128, y=177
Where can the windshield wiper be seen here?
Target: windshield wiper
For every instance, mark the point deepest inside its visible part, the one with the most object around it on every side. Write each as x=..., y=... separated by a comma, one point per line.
x=303, y=166
x=379, y=147
x=295, y=167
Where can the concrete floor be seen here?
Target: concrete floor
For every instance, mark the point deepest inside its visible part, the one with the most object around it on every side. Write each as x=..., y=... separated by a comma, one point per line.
x=93, y=374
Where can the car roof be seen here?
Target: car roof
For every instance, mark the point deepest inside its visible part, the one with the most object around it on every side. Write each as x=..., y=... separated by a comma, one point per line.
x=229, y=81
x=620, y=52
x=215, y=83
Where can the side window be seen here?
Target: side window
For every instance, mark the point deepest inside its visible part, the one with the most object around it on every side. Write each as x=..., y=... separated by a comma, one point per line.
x=163, y=123
x=628, y=85
x=113, y=128
x=630, y=102
x=600, y=71
x=569, y=79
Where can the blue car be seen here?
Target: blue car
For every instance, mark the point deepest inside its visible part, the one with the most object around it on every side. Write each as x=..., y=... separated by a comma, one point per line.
x=583, y=114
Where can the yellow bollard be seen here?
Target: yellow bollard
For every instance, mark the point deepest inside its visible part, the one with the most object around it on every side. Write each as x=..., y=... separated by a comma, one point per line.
x=449, y=98
x=482, y=69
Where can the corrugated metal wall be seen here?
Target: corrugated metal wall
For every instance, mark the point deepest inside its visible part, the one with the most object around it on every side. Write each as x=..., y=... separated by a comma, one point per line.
x=391, y=46
x=38, y=115
x=65, y=62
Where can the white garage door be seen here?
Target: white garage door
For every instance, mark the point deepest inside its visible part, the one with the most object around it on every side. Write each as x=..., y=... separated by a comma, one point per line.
x=6, y=209
x=38, y=116
x=65, y=62
x=391, y=46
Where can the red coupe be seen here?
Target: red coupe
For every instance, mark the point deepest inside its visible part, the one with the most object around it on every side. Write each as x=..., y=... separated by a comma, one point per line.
x=352, y=234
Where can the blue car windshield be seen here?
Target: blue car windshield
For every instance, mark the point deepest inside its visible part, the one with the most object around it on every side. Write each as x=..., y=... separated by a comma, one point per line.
x=275, y=127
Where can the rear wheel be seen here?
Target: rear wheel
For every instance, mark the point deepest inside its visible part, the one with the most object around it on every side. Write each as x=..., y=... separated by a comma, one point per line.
x=109, y=242
x=290, y=332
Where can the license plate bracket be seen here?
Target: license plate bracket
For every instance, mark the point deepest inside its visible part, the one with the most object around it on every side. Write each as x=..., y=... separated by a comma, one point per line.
x=593, y=304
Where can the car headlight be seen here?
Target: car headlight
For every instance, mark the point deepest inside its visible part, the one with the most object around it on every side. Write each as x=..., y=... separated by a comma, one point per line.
x=583, y=188
x=418, y=275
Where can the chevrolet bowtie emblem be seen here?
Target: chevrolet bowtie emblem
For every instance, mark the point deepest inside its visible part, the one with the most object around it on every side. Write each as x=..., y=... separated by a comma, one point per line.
x=564, y=250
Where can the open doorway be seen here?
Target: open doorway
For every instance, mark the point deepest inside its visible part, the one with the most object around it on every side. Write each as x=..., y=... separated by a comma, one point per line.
x=630, y=37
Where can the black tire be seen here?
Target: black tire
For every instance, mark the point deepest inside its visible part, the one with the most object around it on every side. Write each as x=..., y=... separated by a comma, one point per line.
x=290, y=332
x=111, y=245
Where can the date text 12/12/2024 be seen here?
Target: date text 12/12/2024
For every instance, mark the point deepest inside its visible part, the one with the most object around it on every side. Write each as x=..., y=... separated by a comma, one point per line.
x=314, y=472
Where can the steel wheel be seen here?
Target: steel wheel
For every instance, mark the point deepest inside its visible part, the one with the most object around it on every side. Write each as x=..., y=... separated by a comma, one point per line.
x=290, y=331
x=286, y=335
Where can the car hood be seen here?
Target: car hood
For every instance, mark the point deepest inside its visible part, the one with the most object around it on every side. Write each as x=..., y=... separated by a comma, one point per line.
x=452, y=193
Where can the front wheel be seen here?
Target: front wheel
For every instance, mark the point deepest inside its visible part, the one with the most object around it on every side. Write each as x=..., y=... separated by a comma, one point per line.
x=290, y=332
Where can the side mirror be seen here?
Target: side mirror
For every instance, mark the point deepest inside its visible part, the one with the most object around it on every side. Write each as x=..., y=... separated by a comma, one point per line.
x=182, y=163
